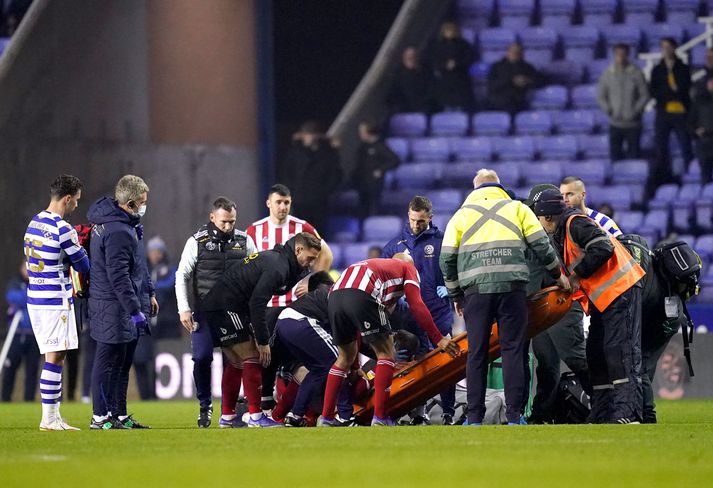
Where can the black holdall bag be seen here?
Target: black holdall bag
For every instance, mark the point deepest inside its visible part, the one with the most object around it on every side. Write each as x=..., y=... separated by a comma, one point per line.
x=681, y=265
x=572, y=402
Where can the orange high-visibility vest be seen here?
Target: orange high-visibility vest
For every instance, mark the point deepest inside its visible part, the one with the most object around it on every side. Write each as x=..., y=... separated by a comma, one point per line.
x=617, y=275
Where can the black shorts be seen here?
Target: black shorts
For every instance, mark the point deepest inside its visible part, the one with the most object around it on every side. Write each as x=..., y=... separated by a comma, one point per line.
x=228, y=328
x=353, y=312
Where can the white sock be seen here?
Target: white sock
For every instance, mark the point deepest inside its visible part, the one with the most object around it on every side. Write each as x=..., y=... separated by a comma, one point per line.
x=256, y=416
x=228, y=417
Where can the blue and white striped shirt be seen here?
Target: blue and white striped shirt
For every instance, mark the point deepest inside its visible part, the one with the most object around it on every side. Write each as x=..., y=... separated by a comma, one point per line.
x=606, y=223
x=51, y=246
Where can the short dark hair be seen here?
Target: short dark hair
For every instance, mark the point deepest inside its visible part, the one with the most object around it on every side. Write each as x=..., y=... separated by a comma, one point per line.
x=65, y=185
x=224, y=203
x=621, y=45
x=372, y=127
x=320, y=278
x=306, y=239
x=670, y=40
x=280, y=189
x=420, y=203
x=571, y=179
x=311, y=127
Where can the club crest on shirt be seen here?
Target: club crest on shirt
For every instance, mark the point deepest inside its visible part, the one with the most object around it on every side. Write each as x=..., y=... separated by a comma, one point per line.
x=74, y=238
x=429, y=250
x=210, y=246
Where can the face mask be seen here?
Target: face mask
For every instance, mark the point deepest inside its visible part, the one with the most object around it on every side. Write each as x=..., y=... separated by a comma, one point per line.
x=141, y=211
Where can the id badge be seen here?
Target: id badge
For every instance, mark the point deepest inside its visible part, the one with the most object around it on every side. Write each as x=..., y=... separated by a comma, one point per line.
x=671, y=307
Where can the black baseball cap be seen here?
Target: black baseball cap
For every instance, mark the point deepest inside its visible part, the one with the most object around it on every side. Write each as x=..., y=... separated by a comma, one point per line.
x=549, y=202
x=535, y=192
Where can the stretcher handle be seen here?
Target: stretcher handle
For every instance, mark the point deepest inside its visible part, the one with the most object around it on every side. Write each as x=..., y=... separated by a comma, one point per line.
x=543, y=293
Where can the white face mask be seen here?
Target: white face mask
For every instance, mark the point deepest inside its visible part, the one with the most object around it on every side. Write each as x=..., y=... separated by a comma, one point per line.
x=141, y=211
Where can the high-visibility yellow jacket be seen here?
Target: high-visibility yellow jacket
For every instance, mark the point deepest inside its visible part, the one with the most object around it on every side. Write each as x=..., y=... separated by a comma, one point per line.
x=484, y=244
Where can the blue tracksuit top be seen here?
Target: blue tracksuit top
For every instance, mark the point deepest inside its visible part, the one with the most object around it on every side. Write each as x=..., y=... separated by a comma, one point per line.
x=425, y=249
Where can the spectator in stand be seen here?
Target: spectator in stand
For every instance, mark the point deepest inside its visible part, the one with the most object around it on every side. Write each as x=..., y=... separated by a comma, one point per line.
x=622, y=94
x=412, y=88
x=24, y=346
x=702, y=125
x=606, y=210
x=670, y=86
x=375, y=252
x=452, y=57
x=510, y=81
x=313, y=171
x=163, y=275
x=700, y=86
x=373, y=159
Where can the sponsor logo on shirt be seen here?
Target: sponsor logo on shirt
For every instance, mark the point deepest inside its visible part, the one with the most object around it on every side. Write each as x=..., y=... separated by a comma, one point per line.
x=429, y=250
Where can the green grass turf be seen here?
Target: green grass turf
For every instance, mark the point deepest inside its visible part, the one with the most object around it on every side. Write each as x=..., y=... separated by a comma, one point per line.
x=676, y=452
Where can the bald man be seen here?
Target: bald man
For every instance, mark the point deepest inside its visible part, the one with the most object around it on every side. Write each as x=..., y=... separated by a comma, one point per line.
x=574, y=192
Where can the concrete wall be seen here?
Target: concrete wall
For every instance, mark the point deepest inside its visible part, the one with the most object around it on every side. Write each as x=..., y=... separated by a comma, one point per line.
x=77, y=96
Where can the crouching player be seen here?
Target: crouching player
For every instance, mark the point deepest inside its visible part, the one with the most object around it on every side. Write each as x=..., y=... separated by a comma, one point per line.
x=303, y=329
x=358, y=302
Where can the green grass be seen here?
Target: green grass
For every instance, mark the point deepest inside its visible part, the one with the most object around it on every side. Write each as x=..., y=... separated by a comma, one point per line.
x=676, y=452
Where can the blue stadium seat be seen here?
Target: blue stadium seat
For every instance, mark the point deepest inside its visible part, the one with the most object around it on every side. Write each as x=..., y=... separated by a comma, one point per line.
x=534, y=172
x=400, y=146
x=474, y=149
x=345, y=201
x=580, y=42
x=697, y=55
x=688, y=238
x=509, y=173
x=704, y=209
x=704, y=247
x=619, y=197
x=396, y=201
x=624, y=34
x=381, y=227
x=601, y=120
x=564, y=72
x=516, y=148
x=595, y=69
x=460, y=175
x=594, y=146
x=553, y=97
x=408, y=124
x=689, y=192
x=562, y=147
x=533, y=123
x=337, y=254
x=359, y=251
x=681, y=12
x=665, y=195
x=440, y=220
x=516, y=14
x=651, y=235
x=598, y=12
x=557, y=13
x=584, y=96
x=629, y=221
x=593, y=171
x=540, y=43
x=469, y=34
x=574, y=121
x=418, y=175
x=467, y=9
x=655, y=32
x=491, y=123
x=446, y=201
x=494, y=42
x=343, y=229
x=639, y=12
x=430, y=149
x=631, y=171
x=449, y=124
x=693, y=174
x=648, y=120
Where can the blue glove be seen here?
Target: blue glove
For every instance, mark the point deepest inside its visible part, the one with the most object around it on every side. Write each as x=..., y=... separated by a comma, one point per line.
x=442, y=291
x=402, y=356
x=141, y=324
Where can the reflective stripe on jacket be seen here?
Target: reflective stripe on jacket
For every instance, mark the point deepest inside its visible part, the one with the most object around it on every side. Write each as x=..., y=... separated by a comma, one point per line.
x=620, y=272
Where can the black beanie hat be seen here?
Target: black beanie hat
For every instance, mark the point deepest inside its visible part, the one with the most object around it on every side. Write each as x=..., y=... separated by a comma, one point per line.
x=549, y=202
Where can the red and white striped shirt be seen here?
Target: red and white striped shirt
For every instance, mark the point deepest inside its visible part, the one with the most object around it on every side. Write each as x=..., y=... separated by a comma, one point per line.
x=267, y=235
x=385, y=280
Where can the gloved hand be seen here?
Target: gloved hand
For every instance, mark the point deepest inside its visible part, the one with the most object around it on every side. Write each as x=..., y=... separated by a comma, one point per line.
x=402, y=356
x=442, y=291
x=141, y=324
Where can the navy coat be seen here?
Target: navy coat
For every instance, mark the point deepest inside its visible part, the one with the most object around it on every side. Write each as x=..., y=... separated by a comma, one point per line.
x=120, y=285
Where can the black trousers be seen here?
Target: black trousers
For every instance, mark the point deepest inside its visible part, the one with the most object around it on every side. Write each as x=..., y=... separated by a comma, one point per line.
x=704, y=152
x=89, y=348
x=510, y=311
x=22, y=350
x=110, y=377
x=619, y=137
x=144, y=367
x=663, y=126
x=564, y=341
x=649, y=360
x=614, y=359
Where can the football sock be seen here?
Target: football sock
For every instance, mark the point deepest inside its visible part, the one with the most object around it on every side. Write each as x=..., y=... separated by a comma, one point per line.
x=230, y=387
x=383, y=375
x=252, y=381
x=334, y=383
x=50, y=390
x=286, y=401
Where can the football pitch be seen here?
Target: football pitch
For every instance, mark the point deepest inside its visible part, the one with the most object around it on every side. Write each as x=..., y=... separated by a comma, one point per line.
x=676, y=452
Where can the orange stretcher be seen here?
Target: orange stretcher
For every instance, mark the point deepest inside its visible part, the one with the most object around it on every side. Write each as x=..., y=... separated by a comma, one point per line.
x=427, y=377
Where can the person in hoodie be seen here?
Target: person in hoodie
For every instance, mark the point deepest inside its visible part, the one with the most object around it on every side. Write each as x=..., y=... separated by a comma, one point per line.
x=422, y=241
x=701, y=120
x=235, y=308
x=121, y=297
x=452, y=56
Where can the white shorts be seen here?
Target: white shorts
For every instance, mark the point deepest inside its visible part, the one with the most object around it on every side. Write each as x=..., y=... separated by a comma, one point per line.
x=55, y=329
